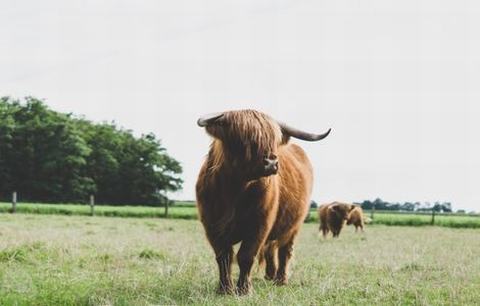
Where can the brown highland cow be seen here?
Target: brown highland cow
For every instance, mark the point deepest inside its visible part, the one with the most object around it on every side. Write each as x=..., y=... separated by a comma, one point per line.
x=356, y=218
x=333, y=216
x=253, y=188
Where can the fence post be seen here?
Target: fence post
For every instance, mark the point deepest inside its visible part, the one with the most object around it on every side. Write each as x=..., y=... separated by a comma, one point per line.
x=14, y=202
x=92, y=205
x=433, y=217
x=167, y=203
x=372, y=212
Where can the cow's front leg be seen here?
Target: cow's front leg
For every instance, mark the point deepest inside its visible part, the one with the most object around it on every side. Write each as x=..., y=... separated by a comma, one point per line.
x=324, y=231
x=245, y=258
x=224, y=256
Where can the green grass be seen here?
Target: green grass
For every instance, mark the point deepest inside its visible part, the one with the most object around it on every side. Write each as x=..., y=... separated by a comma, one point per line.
x=187, y=210
x=422, y=220
x=78, y=260
x=413, y=219
x=179, y=211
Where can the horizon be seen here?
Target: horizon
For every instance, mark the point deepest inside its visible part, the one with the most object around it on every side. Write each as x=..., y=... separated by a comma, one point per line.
x=396, y=82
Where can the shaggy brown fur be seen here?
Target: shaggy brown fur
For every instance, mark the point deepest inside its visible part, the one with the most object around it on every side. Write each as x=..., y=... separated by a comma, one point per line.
x=333, y=216
x=322, y=217
x=237, y=202
x=356, y=218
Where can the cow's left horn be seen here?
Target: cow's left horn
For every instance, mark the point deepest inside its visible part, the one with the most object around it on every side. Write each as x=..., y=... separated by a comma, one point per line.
x=208, y=119
x=293, y=132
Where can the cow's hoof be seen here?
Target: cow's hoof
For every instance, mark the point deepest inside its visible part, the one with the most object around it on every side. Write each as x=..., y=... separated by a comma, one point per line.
x=281, y=281
x=225, y=290
x=243, y=290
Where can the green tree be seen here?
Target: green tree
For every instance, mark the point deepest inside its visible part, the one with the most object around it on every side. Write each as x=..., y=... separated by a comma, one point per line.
x=53, y=157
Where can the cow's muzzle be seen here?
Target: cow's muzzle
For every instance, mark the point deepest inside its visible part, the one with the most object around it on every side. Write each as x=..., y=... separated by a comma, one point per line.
x=270, y=166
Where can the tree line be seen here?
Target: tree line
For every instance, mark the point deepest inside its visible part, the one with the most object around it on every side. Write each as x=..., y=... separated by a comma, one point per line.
x=380, y=204
x=406, y=206
x=48, y=156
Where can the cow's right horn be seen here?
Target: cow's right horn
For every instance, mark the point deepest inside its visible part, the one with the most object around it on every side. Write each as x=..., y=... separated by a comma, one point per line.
x=208, y=119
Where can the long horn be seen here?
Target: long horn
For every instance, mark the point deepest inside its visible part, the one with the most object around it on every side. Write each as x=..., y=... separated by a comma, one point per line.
x=301, y=134
x=208, y=119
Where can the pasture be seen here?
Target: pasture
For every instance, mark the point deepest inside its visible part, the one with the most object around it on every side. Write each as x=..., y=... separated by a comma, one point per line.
x=80, y=260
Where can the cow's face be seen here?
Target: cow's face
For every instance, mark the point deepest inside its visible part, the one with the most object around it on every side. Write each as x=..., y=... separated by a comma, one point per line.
x=342, y=211
x=250, y=142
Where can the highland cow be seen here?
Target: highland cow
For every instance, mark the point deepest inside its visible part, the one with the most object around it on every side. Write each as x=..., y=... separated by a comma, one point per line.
x=355, y=217
x=253, y=188
x=333, y=217
x=322, y=218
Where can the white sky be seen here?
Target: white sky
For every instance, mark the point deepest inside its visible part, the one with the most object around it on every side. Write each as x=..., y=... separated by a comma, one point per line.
x=398, y=81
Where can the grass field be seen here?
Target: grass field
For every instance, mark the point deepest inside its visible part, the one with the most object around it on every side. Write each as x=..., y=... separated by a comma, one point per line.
x=77, y=260
x=184, y=210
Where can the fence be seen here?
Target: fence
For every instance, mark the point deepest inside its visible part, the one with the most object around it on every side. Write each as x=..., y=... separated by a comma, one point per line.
x=13, y=210
x=188, y=209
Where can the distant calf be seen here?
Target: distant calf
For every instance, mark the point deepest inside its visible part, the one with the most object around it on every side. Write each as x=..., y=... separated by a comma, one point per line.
x=355, y=217
x=333, y=216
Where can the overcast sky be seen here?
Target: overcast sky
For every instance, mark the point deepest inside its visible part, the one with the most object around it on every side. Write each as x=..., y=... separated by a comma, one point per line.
x=398, y=81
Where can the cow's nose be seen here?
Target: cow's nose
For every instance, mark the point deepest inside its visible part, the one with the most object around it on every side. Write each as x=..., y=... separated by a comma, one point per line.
x=269, y=162
x=270, y=165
